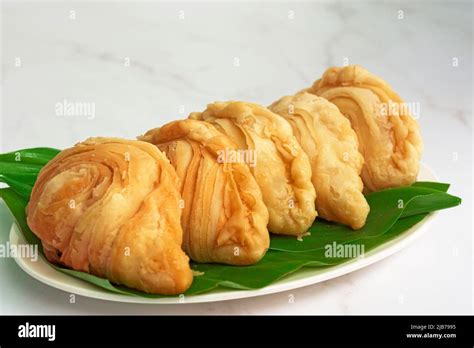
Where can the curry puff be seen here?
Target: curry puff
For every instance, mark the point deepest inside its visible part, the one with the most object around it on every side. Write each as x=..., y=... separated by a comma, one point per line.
x=110, y=207
x=224, y=218
x=389, y=137
x=282, y=169
x=332, y=147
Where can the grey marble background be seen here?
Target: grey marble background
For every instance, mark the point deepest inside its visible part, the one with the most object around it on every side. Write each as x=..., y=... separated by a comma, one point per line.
x=141, y=64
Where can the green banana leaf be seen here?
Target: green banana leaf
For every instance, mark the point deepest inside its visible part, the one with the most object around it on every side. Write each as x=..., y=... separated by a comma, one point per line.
x=392, y=212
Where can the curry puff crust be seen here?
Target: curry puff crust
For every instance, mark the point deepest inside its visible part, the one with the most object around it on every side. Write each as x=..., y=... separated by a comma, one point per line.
x=389, y=138
x=332, y=147
x=110, y=207
x=224, y=218
x=282, y=169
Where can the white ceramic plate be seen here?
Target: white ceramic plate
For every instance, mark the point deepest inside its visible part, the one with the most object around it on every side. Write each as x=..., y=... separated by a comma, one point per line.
x=41, y=271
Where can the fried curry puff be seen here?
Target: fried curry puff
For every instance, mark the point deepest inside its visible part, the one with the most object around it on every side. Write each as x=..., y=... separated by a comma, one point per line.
x=332, y=147
x=224, y=218
x=110, y=207
x=389, y=137
x=282, y=169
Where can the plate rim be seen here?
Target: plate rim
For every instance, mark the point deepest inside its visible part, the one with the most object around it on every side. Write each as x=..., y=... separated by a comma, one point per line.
x=225, y=294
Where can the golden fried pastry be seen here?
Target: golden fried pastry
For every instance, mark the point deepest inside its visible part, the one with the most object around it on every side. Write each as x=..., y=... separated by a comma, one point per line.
x=389, y=138
x=224, y=218
x=332, y=147
x=281, y=168
x=110, y=207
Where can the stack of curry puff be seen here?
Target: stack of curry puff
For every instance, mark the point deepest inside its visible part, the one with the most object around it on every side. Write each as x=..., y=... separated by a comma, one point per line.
x=186, y=190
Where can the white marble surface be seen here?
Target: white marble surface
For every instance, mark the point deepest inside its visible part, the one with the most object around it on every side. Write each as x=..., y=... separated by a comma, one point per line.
x=178, y=64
